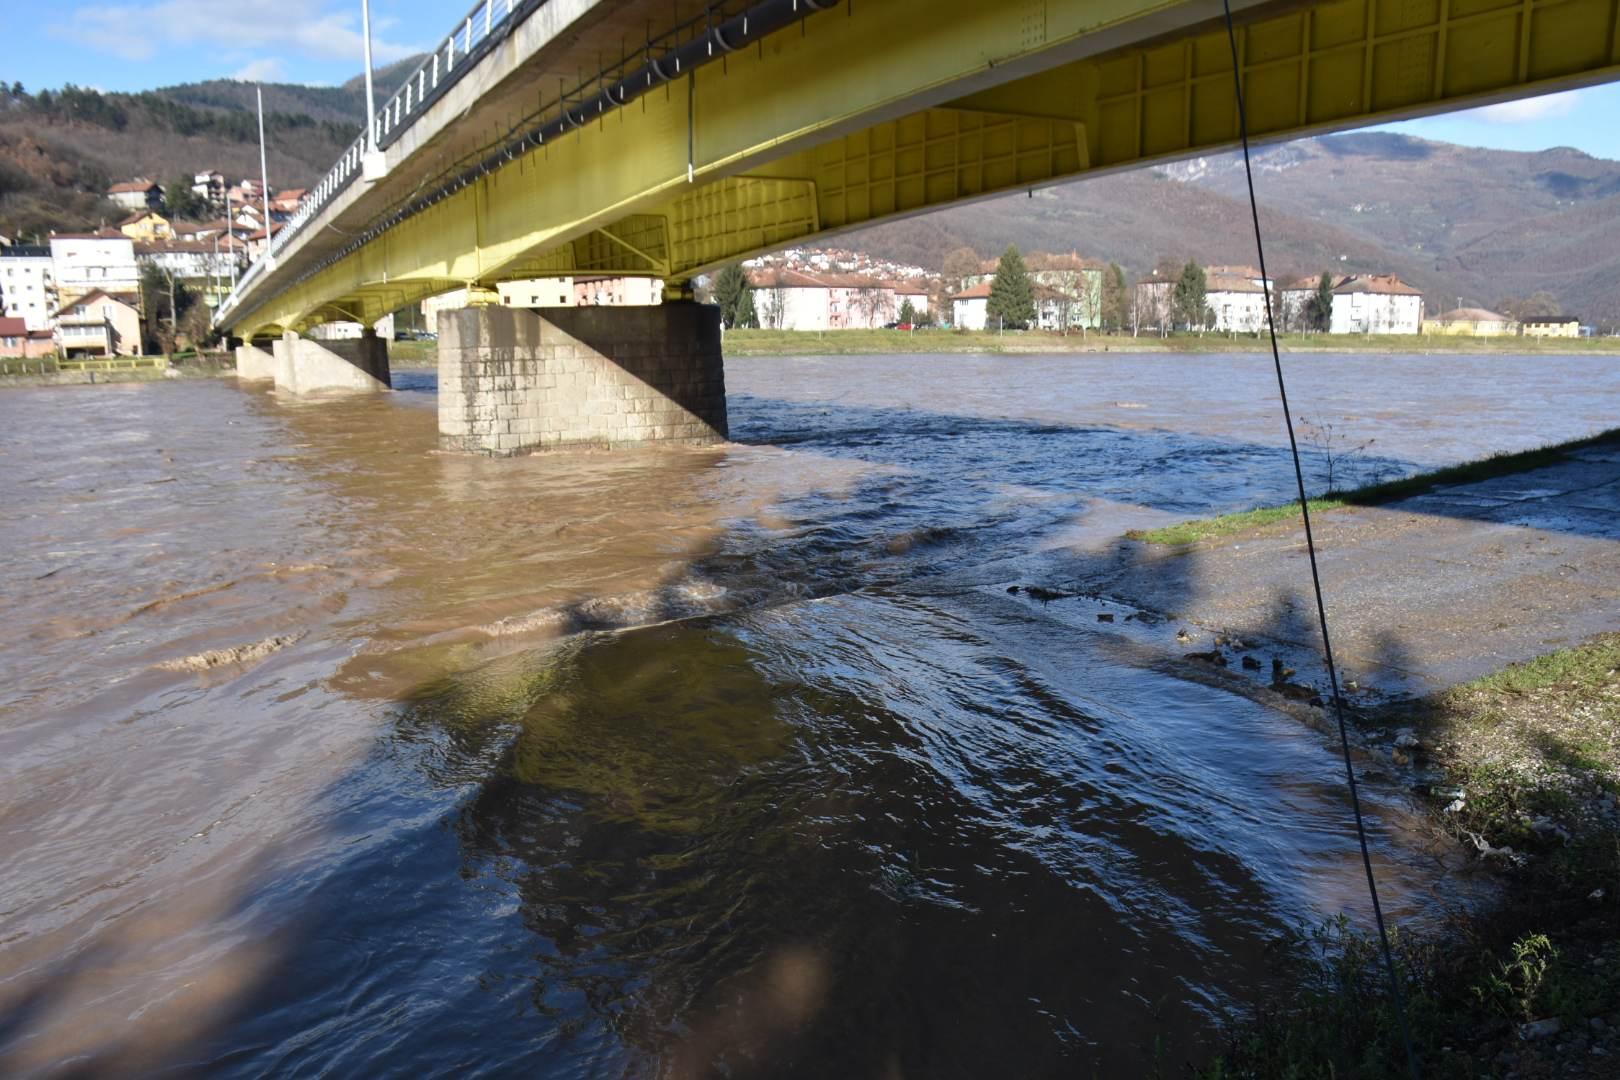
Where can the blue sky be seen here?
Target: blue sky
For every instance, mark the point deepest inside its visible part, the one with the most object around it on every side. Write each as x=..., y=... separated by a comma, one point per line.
x=140, y=44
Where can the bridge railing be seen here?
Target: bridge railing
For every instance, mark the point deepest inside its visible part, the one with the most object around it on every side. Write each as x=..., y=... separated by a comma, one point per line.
x=486, y=23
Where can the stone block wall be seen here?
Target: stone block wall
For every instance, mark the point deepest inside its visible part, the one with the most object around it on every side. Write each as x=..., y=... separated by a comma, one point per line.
x=512, y=380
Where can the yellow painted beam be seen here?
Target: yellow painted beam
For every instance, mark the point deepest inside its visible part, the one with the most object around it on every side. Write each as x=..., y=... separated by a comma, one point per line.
x=885, y=108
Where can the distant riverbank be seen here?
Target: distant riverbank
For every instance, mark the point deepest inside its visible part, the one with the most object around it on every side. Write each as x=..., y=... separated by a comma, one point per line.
x=852, y=342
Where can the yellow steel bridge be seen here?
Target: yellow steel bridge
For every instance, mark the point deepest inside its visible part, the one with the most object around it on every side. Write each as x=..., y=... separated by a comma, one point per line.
x=644, y=137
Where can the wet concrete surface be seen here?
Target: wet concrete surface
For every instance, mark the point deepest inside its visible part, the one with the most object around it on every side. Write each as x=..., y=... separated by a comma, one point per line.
x=1421, y=594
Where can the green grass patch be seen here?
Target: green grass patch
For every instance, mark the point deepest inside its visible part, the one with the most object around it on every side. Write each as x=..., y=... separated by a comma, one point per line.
x=1507, y=464
x=1581, y=669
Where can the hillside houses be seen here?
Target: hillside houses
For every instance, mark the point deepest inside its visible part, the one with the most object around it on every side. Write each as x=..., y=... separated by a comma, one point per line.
x=137, y=194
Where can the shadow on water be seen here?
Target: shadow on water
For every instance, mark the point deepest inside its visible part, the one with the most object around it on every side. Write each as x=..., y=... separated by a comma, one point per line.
x=838, y=824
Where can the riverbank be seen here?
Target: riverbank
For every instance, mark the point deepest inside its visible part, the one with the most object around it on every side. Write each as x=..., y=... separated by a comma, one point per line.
x=50, y=375
x=858, y=342
x=1522, y=767
x=1445, y=592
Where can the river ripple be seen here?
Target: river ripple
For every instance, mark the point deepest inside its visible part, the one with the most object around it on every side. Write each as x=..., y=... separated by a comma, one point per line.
x=321, y=750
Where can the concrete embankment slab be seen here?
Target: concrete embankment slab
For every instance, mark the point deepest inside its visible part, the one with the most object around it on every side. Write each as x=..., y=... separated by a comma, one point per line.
x=1421, y=594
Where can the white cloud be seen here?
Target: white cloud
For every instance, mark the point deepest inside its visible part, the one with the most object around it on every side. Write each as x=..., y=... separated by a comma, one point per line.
x=268, y=70
x=1528, y=110
x=320, y=29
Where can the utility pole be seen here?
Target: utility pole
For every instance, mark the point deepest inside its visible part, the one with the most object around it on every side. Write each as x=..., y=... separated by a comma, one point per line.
x=264, y=181
x=372, y=163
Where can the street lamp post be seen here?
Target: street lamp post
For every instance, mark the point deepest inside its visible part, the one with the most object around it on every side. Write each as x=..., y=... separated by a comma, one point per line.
x=372, y=163
x=264, y=181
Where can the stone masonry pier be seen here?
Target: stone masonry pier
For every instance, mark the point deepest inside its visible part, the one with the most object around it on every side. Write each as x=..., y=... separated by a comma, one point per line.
x=514, y=380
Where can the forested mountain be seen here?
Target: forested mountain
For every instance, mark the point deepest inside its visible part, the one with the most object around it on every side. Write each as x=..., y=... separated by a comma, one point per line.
x=60, y=149
x=1455, y=221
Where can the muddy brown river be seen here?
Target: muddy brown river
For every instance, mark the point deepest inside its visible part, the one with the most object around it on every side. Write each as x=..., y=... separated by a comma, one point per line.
x=325, y=753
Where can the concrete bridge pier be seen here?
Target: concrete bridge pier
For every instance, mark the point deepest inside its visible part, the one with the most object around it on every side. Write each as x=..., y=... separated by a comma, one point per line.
x=513, y=380
x=254, y=363
x=304, y=366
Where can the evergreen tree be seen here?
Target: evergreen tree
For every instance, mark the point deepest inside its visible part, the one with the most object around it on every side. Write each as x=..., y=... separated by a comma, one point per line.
x=908, y=313
x=1187, y=299
x=1116, y=307
x=1012, y=294
x=746, y=317
x=1319, y=307
x=182, y=201
x=730, y=285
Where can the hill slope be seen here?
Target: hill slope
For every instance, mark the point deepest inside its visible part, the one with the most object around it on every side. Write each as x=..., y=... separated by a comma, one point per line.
x=59, y=150
x=1453, y=221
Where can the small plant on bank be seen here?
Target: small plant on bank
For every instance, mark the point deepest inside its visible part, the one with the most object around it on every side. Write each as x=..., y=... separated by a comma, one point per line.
x=1333, y=448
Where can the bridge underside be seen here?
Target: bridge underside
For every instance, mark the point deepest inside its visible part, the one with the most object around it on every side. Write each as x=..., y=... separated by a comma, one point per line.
x=885, y=108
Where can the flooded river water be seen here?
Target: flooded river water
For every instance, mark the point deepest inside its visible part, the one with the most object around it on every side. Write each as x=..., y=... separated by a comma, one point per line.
x=324, y=752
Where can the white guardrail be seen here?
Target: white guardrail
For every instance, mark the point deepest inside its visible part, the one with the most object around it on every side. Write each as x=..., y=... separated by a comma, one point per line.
x=448, y=63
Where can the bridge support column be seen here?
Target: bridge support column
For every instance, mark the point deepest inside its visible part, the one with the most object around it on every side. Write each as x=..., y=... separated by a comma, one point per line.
x=305, y=366
x=254, y=363
x=512, y=380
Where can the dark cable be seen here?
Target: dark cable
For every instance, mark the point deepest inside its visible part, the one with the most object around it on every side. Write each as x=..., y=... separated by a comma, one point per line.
x=1316, y=577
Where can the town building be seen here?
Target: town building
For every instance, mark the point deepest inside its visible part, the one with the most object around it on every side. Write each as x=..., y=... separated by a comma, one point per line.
x=1150, y=305
x=284, y=204
x=798, y=300
x=17, y=341
x=190, y=260
x=137, y=194
x=146, y=226
x=1551, y=326
x=254, y=242
x=85, y=262
x=1055, y=309
x=100, y=324
x=632, y=291
x=28, y=285
x=210, y=187
x=1471, y=322
x=1376, y=304
x=1075, y=277
x=1237, y=297
x=346, y=330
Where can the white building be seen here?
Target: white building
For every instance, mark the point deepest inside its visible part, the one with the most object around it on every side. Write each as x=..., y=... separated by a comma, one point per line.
x=1376, y=304
x=795, y=300
x=1054, y=309
x=622, y=291
x=138, y=194
x=1237, y=296
x=193, y=260
x=210, y=186
x=28, y=285
x=342, y=330
x=84, y=262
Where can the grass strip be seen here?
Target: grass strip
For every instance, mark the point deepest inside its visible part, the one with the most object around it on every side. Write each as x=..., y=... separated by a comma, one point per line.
x=1506, y=464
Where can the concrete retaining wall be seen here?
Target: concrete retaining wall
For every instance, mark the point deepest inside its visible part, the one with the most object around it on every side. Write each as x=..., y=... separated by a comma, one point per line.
x=513, y=380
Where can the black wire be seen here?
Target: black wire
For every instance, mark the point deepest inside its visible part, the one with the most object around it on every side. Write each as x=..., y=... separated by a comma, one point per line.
x=1316, y=577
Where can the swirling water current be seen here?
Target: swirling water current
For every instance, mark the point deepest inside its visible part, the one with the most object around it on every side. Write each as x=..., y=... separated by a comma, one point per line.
x=323, y=752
